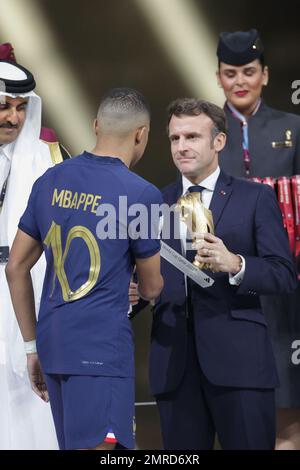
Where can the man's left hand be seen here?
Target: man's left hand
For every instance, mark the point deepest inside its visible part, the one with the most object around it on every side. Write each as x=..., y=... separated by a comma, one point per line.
x=212, y=251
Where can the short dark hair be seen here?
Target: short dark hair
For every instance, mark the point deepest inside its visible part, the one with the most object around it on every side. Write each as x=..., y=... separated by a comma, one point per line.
x=125, y=99
x=194, y=107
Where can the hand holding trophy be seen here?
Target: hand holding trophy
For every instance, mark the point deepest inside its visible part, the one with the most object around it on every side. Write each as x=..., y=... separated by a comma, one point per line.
x=195, y=215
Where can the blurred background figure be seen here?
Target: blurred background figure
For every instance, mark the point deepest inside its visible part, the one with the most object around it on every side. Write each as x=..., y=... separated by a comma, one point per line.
x=7, y=52
x=262, y=142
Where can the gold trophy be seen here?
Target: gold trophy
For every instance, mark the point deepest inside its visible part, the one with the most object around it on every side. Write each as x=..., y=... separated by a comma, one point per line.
x=196, y=217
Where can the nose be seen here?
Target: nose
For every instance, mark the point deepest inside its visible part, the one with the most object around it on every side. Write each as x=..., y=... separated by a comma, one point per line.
x=13, y=116
x=240, y=79
x=182, y=147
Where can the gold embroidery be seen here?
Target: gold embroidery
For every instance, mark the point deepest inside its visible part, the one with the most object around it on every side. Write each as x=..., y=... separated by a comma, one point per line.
x=53, y=239
x=55, y=152
x=84, y=201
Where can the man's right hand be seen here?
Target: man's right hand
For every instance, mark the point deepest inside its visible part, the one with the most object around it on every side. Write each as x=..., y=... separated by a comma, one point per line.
x=36, y=376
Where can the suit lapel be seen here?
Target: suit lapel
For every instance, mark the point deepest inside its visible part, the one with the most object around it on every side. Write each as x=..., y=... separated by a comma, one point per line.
x=221, y=196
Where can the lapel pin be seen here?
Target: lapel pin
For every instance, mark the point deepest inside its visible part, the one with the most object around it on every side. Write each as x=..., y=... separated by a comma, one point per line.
x=223, y=192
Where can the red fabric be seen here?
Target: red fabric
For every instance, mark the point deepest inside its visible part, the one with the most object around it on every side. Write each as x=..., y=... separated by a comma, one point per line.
x=110, y=440
x=270, y=181
x=288, y=193
x=256, y=179
x=48, y=135
x=286, y=206
x=296, y=199
x=7, y=52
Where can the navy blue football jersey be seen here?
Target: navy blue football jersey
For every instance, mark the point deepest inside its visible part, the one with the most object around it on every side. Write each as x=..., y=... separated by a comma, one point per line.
x=78, y=210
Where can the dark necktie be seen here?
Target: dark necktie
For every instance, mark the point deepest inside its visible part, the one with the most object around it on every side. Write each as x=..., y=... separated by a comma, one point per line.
x=190, y=256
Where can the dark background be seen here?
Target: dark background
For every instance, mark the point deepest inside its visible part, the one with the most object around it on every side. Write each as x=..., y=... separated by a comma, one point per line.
x=109, y=43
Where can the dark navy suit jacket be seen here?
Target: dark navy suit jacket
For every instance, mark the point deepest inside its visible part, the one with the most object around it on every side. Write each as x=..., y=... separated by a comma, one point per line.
x=266, y=126
x=231, y=335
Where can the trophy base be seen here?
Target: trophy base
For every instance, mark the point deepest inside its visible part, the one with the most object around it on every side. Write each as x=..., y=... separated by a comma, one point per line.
x=199, y=265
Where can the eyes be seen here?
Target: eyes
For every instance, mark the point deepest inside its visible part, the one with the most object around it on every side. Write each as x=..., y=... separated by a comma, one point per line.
x=189, y=137
x=7, y=106
x=22, y=107
x=249, y=72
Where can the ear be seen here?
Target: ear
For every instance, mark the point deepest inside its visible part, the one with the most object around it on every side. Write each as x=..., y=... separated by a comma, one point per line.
x=95, y=126
x=265, y=75
x=220, y=141
x=141, y=134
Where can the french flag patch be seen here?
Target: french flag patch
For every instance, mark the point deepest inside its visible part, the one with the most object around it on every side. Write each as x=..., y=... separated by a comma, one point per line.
x=110, y=437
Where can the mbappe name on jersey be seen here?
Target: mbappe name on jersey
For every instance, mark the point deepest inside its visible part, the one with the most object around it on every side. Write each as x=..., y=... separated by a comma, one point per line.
x=73, y=200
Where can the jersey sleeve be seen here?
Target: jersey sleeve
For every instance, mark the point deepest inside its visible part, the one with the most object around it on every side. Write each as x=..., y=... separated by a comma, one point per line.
x=144, y=224
x=28, y=222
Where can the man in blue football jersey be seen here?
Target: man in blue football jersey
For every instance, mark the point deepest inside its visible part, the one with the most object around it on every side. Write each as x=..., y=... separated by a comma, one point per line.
x=84, y=338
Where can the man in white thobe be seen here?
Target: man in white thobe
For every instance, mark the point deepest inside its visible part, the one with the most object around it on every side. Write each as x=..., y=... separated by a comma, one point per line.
x=25, y=420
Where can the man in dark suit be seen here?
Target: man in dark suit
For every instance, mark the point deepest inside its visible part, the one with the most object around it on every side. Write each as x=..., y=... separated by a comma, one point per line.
x=212, y=368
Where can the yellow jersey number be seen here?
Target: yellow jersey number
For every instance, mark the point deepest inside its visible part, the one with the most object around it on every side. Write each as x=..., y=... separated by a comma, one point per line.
x=53, y=239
